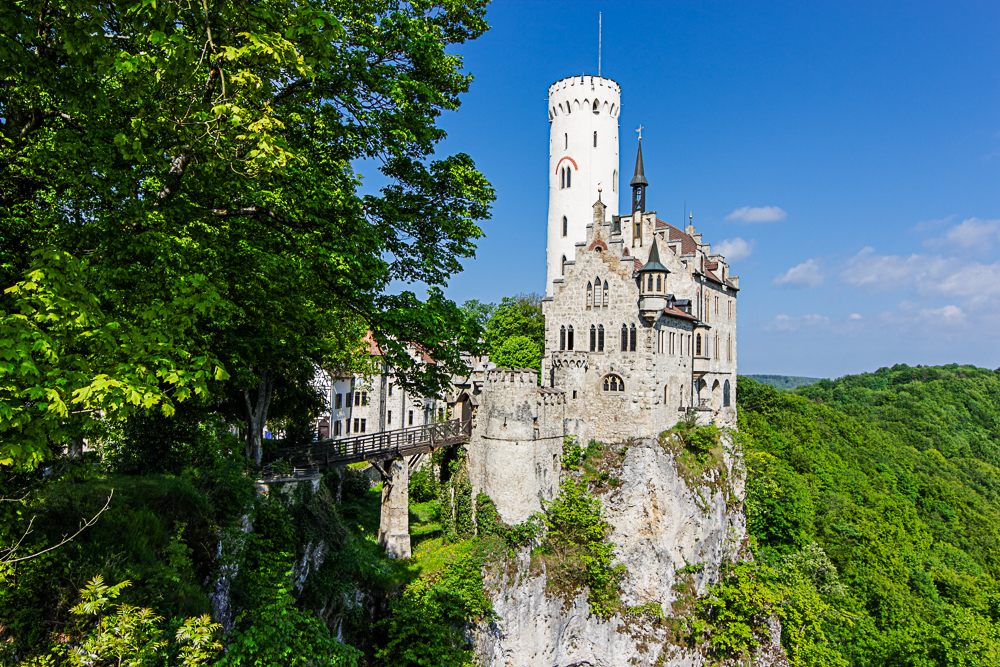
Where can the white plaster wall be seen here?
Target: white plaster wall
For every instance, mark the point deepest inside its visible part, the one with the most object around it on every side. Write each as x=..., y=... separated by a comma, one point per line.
x=572, y=124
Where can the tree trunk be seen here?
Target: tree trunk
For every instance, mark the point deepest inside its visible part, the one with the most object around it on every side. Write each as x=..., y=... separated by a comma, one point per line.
x=257, y=416
x=75, y=448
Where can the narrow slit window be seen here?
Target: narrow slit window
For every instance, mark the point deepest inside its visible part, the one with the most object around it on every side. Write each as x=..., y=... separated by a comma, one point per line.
x=562, y=338
x=595, y=139
x=631, y=339
x=565, y=232
x=590, y=295
x=600, y=338
x=624, y=338
x=569, y=337
x=593, y=338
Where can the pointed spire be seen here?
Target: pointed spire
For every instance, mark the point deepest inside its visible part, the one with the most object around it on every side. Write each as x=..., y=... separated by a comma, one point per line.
x=640, y=177
x=653, y=264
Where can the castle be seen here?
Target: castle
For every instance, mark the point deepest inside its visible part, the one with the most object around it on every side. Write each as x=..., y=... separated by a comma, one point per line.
x=640, y=319
x=640, y=328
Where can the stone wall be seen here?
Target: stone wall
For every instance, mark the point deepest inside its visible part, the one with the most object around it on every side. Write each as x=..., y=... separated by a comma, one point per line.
x=516, y=446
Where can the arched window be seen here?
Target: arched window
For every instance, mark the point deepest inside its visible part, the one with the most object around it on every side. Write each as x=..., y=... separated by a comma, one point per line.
x=605, y=296
x=649, y=283
x=562, y=178
x=569, y=337
x=708, y=301
x=659, y=286
x=597, y=107
x=697, y=345
x=593, y=338
x=565, y=227
x=597, y=293
x=562, y=337
x=631, y=339
x=715, y=347
x=569, y=176
x=624, y=338
x=595, y=139
x=590, y=296
x=600, y=338
x=612, y=382
x=725, y=394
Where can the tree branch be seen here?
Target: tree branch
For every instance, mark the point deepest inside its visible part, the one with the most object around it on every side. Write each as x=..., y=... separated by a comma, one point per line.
x=289, y=89
x=6, y=558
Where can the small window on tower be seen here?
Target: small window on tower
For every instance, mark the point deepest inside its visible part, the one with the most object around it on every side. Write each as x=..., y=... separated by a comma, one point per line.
x=565, y=141
x=614, y=181
x=659, y=285
x=569, y=176
x=595, y=139
x=564, y=256
x=597, y=106
x=565, y=231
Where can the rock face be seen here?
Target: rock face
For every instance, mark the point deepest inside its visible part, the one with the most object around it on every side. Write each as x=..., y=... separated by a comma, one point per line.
x=673, y=528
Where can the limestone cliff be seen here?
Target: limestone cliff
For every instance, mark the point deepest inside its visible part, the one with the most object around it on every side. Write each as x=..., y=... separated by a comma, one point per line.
x=674, y=527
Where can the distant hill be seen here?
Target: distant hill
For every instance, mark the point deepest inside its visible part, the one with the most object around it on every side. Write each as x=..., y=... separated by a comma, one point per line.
x=785, y=382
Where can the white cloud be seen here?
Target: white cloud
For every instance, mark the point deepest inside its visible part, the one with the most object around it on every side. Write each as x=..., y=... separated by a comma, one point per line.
x=788, y=323
x=926, y=275
x=806, y=274
x=944, y=315
x=757, y=214
x=854, y=316
x=735, y=249
x=971, y=234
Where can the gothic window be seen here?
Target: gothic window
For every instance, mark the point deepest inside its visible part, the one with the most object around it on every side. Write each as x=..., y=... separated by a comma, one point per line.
x=707, y=302
x=715, y=347
x=562, y=178
x=595, y=139
x=697, y=345
x=593, y=338
x=725, y=394
x=600, y=338
x=624, y=338
x=716, y=305
x=659, y=285
x=631, y=339
x=605, y=296
x=590, y=295
x=649, y=283
x=562, y=338
x=612, y=382
x=596, y=106
x=597, y=293
x=565, y=231
x=569, y=338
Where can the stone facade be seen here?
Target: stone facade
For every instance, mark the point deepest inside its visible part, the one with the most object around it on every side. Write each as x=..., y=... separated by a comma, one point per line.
x=634, y=361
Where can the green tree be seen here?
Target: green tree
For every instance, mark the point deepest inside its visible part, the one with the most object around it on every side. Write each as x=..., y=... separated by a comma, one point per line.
x=519, y=315
x=518, y=352
x=478, y=311
x=179, y=210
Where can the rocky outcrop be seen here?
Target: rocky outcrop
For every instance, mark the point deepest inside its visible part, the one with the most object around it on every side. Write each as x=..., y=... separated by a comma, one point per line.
x=674, y=527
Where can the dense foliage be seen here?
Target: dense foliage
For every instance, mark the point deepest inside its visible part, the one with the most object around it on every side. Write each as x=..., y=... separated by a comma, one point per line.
x=515, y=329
x=180, y=215
x=894, y=477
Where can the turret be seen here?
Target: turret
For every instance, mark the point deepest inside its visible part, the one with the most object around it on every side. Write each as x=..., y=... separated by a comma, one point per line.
x=652, y=286
x=639, y=181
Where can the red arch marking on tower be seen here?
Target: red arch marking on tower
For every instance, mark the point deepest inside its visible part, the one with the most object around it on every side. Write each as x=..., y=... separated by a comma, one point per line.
x=566, y=158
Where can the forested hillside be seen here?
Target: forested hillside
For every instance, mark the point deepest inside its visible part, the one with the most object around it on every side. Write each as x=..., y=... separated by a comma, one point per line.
x=894, y=475
x=786, y=382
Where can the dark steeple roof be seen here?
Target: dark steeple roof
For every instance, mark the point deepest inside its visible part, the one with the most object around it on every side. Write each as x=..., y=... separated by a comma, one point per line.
x=639, y=178
x=654, y=261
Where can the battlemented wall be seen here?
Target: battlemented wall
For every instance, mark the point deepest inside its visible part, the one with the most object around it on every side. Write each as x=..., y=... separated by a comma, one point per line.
x=516, y=448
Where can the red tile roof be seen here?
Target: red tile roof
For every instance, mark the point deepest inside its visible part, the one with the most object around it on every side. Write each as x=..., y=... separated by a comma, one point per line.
x=673, y=234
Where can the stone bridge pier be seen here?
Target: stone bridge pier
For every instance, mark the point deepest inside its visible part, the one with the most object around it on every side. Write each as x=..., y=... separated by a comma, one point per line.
x=394, y=525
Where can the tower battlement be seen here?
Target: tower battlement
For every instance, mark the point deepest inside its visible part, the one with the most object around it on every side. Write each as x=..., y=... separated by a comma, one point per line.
x=512, y=376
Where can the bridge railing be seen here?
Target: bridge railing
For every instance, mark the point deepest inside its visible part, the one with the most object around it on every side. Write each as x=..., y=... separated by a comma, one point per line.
x=383, y=445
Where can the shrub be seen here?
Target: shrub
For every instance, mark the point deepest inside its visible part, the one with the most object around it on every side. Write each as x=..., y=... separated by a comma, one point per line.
x=424, y=486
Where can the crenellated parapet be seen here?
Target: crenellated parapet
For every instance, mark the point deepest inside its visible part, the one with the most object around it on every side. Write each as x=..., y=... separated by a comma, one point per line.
x=566, y=359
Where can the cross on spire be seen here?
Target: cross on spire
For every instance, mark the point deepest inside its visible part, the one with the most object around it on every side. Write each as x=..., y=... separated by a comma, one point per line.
x=640, y=132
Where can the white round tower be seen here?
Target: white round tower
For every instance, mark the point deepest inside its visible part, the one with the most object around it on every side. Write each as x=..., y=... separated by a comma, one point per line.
x=583, y=156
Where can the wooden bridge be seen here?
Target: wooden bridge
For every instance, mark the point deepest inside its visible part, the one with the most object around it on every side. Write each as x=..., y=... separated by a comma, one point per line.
x=384, y=446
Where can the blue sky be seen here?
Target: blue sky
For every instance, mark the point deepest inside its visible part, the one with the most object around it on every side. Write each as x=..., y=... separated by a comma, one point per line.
x=867, y=133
